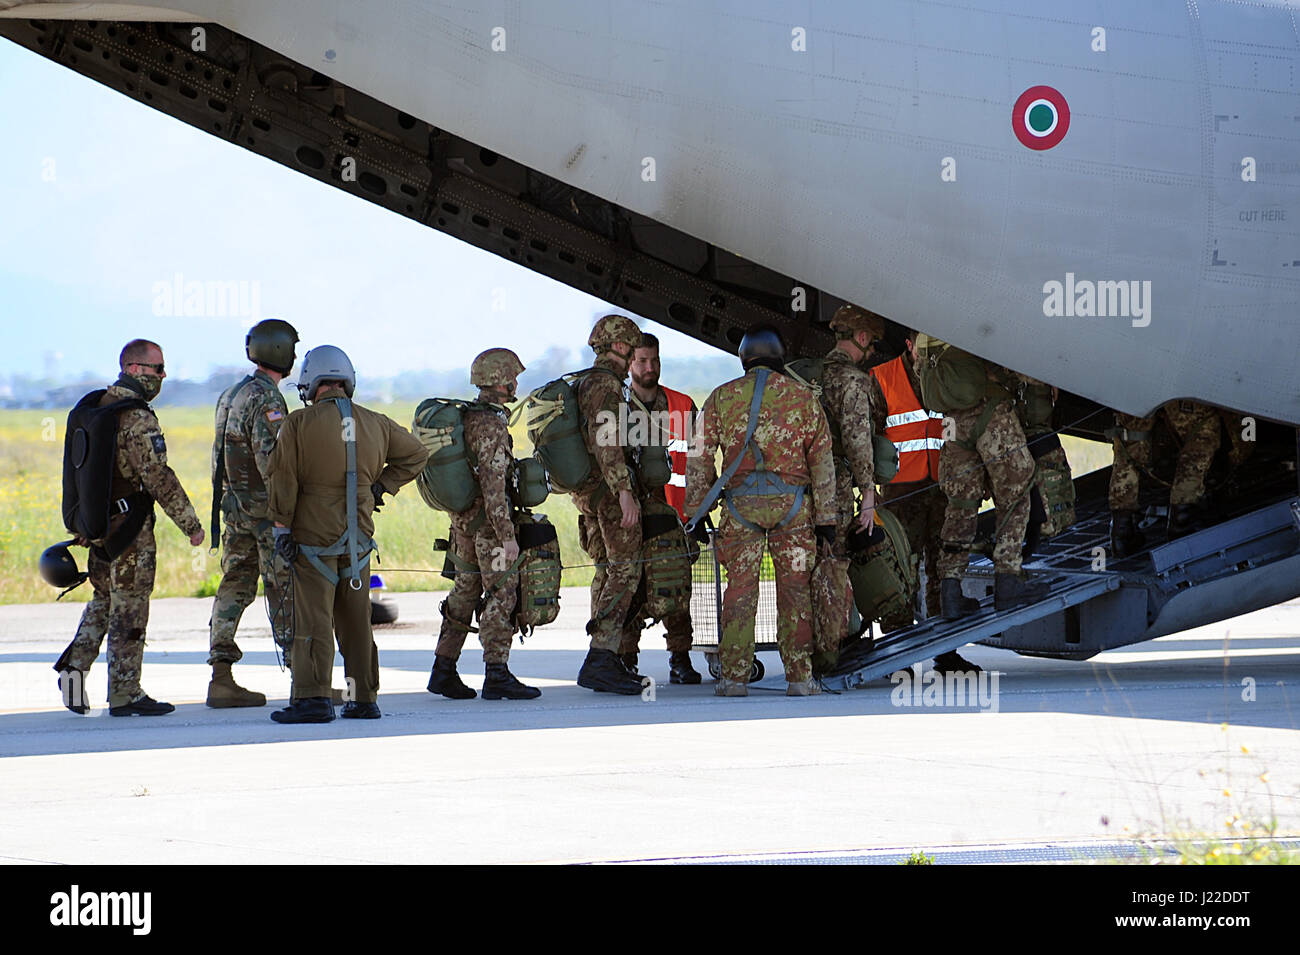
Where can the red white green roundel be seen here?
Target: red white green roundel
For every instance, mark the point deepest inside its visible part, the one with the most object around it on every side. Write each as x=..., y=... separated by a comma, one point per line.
x=1041, y=117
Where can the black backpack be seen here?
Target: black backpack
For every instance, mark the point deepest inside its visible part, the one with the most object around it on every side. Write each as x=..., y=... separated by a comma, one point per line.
x=89, y=455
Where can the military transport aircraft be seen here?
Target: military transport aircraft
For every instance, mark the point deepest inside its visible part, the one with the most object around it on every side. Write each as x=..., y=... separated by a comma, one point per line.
x=1103, y=196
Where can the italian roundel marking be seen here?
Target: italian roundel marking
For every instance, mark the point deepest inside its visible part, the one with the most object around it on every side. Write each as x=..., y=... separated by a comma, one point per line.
x=1040, y=118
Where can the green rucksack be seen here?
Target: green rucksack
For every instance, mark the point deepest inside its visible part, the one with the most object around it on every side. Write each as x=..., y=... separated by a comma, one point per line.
x=555, y=427
x=539, y=572
x=666, y=556
x=808, y=371
x=883, y=573
x=951, y=379
x=527, y=485
x=447, y=482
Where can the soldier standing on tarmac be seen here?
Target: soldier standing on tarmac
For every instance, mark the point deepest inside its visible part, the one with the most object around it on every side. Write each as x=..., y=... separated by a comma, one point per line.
x=483, y=540
x=249, y=415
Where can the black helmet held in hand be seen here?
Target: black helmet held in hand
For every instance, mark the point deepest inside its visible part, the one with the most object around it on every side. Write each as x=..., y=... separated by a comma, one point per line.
x=59, y=567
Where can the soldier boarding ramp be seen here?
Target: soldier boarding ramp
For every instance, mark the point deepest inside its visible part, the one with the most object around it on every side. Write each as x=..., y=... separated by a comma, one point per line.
x=1095, y=603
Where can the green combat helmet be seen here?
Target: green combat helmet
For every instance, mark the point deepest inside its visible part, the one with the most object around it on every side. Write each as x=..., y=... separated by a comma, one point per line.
x=496, y=367
x=850, y=319
x=611, y=329
x=270, y=342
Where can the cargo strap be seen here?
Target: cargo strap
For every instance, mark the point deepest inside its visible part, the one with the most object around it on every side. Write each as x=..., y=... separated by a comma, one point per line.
x=352, y=542
x=219, y=468
x=758, y=482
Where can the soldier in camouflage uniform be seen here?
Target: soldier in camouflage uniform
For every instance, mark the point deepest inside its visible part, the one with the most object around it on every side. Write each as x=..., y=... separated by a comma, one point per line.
x=846, y=399
x=120, y=605
x=248, y=420
x=986, y=447
x=609, y=511
x=679, y=633
x=483, y=543
x=1197, y=428
x=788, y=460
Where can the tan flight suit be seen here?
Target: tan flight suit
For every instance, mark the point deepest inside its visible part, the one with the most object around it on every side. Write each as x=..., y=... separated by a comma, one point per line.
x=308, y=494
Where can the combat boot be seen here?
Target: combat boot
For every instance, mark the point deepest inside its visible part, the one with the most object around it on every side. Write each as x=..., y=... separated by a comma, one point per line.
x=725, y=687
x=1125, y=538
x=809, y=687
x=954, y=662
x=225, y=693
x=312, y=709
x=1182, y=520
x=353, y=710
x=500, y=684
x=629, y=663
x=604, y=671
x=144, y=706
x=72, y=690
x=952, y=605
x=1011, y=591
x=680, y=669
x=446, y=681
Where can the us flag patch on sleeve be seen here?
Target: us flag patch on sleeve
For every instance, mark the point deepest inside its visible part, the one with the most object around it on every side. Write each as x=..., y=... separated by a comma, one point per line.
x=273, y=415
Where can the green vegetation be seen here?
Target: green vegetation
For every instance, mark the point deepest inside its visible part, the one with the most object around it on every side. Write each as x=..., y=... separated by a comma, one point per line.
x=918, y=858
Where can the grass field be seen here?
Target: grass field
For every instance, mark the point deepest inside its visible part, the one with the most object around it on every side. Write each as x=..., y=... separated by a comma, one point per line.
x=31, y=453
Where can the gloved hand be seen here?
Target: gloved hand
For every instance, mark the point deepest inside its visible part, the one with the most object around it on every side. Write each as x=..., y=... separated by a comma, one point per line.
x=700, y=533
x=286, y=548
x=825, y=534
x=378, y=491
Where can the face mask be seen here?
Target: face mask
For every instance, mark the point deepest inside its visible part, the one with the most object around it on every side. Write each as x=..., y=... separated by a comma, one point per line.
x=151, y=384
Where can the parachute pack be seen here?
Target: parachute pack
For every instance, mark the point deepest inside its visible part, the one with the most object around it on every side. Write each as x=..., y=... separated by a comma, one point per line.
x=667, y=556
x=555, y=427
x=447, y=482
x=89, y=457
x=884, y=454
x=951, y=379
x=882, y=571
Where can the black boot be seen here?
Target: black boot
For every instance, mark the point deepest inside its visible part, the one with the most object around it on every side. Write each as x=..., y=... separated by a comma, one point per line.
x=72, y=689
x=1125, y=538
x=680, y=669
x=354, y=710
x=629, y=663
x=953, y=662
x=603, y=670
x=1182, y=520
x=1011, y=591
x=145, y=706
x=500, y=684
x=446, y=681
x=312, y=709
x=952, y=605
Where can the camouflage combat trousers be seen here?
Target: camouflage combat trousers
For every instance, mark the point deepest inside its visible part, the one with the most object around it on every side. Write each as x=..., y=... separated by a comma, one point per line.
x=920, y=508
x=325, y=613
x=247, y=552
x=120, y=608
x=616, y=552
x=740, y=550
x=1196, y=427
x=1001, y=455
x=478, y=554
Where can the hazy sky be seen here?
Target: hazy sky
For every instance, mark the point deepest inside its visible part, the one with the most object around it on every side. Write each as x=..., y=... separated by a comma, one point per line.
x=102, y=199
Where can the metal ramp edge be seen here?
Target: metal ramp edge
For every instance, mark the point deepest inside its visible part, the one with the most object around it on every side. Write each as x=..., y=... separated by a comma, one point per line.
x=928, y=639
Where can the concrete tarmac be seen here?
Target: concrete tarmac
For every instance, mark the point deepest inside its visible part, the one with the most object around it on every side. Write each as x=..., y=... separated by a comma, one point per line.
x=1179, y=735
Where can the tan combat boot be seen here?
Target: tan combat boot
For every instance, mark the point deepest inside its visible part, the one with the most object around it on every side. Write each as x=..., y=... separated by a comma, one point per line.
x=225, y=693
x=808, y=687
x=725, y=687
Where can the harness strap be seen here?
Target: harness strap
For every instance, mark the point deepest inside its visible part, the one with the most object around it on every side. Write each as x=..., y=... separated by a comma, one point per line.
x=711, y=498
x=351, y=542
x=219, y=469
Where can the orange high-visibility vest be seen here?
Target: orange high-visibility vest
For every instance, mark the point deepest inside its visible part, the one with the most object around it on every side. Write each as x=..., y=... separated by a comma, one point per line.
x=679, y=412
x=917, y=433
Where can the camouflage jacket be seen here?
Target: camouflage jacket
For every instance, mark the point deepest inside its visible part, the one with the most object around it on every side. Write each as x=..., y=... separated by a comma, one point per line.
x=491, y=452
x=599, y=398
x=308, y=489
x=846, y=397
x=253, y=415
x=660, y=436
x=142, y=464
x=792, y=434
